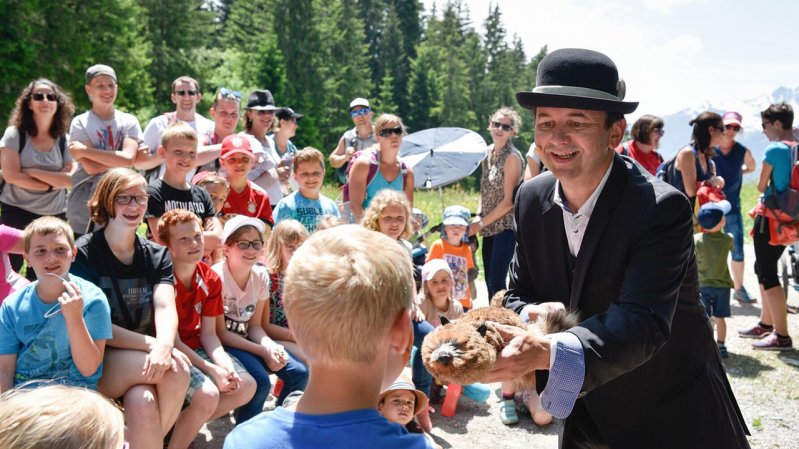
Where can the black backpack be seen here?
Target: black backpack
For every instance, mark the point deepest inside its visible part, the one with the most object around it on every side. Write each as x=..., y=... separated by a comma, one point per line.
x=665, y=171
x=62, y=145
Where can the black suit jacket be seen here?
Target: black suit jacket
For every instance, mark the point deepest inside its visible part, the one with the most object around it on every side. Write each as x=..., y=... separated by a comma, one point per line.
x=653, y=374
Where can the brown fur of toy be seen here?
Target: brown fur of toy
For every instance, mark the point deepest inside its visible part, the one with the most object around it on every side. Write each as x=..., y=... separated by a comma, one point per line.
x=465, y=350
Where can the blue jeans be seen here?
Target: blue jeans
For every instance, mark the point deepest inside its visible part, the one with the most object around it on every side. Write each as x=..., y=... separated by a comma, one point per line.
x=735, y=227
x=497, y=254
x=421, y=378
x=294, y=376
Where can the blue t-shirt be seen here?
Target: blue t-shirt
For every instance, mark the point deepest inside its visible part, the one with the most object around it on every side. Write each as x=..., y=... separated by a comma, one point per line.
x=305, y=210
x=282, y=428
x=42, y=344
x=778, y=155
x=730, y=167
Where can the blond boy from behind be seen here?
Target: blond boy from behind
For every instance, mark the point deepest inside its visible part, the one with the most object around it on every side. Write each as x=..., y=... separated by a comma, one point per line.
x=348, y=296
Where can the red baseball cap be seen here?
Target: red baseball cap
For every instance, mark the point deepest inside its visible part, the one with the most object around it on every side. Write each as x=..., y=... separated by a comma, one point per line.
x=236, y=144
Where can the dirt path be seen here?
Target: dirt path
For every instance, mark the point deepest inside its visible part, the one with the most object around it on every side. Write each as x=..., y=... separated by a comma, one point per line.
x=766, y=385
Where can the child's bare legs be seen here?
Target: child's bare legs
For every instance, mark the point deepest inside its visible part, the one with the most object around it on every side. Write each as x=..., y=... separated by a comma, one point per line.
x=540, y=416
x=721, y=328
x=142, y=420
x=122, y=371
x=207, y=404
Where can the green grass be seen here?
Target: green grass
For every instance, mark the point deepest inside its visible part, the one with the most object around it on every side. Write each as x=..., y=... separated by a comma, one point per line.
x=749, y=198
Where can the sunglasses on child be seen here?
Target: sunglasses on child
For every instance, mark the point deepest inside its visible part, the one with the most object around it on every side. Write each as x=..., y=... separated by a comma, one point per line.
x=359, y=112
x=389, y=131
x=126, y=199
x=244, y=244
x=504, y=127
x=227, y=93
x=181, y=93
x=40, y=97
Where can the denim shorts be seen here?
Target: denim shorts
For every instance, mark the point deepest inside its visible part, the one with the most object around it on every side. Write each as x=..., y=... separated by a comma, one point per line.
x=716, y=301
x=735, y=227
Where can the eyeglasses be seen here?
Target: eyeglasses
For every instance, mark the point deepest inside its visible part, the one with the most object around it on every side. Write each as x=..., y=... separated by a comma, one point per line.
x=126, y=199
x=264, y=112
x=497, y=125
x=40, y=97
x=389, y=131
x=766, y=123
x=660, y=131
x=181, y=93
x=359, y=112
x=227, y=93
x=735, y=128
x=244, y=244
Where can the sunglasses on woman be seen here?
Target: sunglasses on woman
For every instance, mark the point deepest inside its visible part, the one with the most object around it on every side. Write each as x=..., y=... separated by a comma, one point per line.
x=504, y=127
x=389, y=131
x=40, y=97
x=359, y=112
x=735, y=128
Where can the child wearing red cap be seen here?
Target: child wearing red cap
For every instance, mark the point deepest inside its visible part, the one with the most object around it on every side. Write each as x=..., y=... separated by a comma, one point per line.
x=244, y=198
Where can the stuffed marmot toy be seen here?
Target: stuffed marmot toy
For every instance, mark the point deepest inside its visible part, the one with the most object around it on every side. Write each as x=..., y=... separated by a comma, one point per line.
x=464, y=351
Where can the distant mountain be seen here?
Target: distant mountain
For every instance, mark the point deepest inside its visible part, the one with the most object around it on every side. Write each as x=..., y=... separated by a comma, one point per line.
x=678, y=131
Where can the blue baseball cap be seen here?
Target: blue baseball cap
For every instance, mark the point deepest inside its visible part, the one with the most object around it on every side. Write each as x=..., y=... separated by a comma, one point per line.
x=457, y=215
x=710, y=215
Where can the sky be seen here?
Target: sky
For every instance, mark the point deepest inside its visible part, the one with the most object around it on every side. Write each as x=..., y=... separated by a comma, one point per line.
x=672, y=54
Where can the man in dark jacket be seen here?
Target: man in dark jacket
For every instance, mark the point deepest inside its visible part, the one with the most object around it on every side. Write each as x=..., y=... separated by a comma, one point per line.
x=601, y=236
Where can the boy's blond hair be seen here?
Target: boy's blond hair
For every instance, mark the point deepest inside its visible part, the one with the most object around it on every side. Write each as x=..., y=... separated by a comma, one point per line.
x=114, y=181
x=387, y=197
x=178, y=130
x=344, y=288
x=286, y=232
x=59, y=417
x=44, y=226
x=308, y=154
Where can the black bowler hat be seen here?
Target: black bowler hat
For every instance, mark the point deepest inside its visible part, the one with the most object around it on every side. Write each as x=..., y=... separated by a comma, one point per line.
x=261, y=100
x=577, y=78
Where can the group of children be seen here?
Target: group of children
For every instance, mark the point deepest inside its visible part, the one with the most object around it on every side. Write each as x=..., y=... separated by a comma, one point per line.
x=189, y=331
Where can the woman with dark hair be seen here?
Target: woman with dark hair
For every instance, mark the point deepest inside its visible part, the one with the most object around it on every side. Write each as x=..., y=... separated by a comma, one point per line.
x=693, y=164
x=36, y=165
x=259, y=123
x=646, y=133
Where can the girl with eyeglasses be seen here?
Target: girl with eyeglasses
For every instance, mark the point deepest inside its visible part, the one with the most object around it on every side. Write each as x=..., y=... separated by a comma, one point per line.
x=245, y=295
x=36, y=163
x=390, y=173
x=693, y=164
x=140, y=362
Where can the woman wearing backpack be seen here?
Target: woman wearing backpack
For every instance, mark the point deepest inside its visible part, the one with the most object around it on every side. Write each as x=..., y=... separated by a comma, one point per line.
x=388, y=171
x=36, y=165
x=693, y=164
x=775, y=177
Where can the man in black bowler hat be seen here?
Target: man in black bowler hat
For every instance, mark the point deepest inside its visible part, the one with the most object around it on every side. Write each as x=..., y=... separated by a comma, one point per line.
x=599, y=235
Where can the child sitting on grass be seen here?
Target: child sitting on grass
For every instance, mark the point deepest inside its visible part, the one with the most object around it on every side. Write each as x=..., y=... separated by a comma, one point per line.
x=287, y=236
x=56, y=327
x=390, y=214
x=348, y=298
